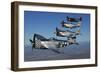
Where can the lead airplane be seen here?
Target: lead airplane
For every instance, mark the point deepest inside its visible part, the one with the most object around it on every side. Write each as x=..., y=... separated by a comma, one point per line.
x=40, y=42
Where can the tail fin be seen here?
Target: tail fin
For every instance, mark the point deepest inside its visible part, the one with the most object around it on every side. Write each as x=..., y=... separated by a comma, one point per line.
x=67, y=18
x=62, y=22
x=32, y=43
x=57, y=31
x=80, y=19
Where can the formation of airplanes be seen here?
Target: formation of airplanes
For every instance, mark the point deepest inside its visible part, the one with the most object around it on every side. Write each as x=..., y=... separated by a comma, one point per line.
x=40, y=42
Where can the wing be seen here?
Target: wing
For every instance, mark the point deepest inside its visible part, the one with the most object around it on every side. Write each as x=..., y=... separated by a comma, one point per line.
x=56, y=51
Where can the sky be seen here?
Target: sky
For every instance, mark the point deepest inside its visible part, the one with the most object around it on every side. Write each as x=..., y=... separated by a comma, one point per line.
x=45, y=23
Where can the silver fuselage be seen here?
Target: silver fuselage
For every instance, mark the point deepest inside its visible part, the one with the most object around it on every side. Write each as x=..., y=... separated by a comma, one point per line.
x=67, y=25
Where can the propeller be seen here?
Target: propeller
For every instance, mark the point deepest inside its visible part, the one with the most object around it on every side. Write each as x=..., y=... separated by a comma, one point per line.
x=31, y=43
x=30, y=40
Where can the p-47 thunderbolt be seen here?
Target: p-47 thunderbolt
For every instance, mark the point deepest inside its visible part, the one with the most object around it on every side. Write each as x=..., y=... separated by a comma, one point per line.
x=40, y=42
x=74, y=19
x=70, y=25
x=66, y=33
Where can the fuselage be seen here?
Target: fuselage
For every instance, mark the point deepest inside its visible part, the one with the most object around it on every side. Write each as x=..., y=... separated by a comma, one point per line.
x=67, y=34
x=51, y=44
x=67, y=25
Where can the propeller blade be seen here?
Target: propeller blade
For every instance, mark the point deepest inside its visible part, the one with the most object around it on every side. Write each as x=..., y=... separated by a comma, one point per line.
x=30, y=40
x=32, y=44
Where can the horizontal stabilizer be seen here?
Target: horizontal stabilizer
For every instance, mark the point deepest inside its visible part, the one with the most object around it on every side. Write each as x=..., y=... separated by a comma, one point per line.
x=55, y=51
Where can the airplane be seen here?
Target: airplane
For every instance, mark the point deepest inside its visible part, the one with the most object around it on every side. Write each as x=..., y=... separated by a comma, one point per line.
x=72, y=40
x=70, y=25
x=74, y=19
x=40, y=42
x=66, y=33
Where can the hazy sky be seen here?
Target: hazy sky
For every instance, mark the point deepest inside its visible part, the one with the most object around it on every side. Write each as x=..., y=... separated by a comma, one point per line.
x=45, y=23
